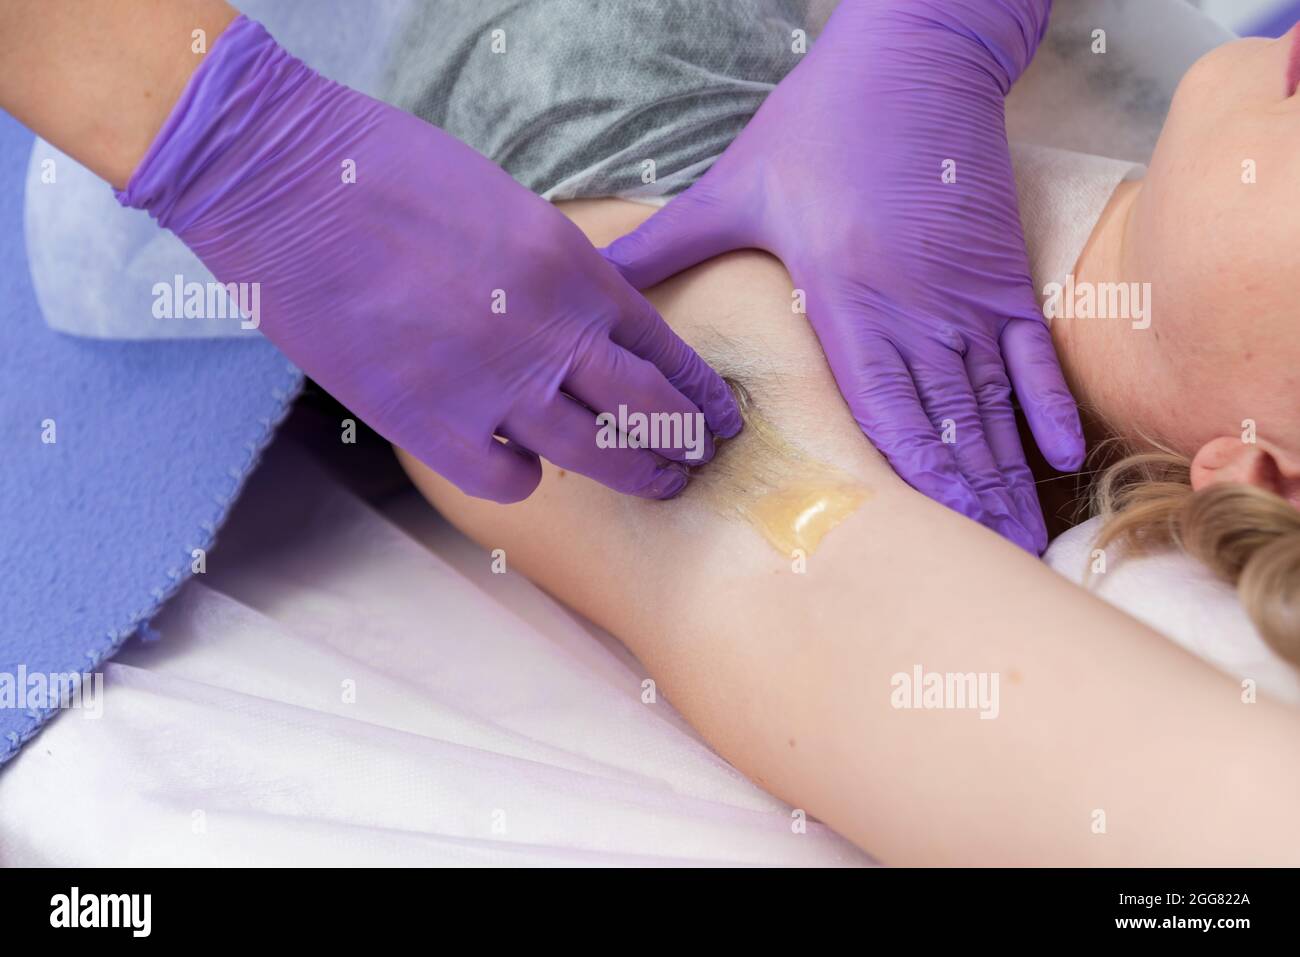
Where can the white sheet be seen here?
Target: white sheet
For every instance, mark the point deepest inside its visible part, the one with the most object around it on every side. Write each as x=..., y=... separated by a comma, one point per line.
x=490, y=725
x=1179, y=597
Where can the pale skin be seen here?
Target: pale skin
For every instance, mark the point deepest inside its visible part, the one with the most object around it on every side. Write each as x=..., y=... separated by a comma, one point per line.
x=788, y=675
x=99, y=79
x=1213, y=228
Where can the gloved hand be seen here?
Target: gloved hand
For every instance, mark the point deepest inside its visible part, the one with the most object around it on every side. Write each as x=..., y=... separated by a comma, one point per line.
x=433, y=295
x=918, y=287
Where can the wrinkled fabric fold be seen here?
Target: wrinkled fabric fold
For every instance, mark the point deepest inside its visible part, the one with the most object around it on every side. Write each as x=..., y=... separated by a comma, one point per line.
x=351, y=686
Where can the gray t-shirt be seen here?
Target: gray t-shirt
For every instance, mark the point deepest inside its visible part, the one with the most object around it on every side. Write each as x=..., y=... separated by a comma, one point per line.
x=575, y=98
x=584, y=92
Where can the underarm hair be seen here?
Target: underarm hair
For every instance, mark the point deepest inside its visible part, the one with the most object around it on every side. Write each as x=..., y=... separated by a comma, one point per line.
x=762, y=459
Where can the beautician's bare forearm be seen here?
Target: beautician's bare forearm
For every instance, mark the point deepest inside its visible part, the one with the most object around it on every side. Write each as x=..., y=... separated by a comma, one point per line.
x=98, y=79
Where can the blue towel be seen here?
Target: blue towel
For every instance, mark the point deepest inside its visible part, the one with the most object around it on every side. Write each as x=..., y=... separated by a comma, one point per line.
x=1276, y=23
x=152, y=441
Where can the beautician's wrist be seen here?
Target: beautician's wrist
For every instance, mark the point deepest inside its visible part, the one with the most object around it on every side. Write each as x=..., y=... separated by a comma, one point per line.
x=247, y=89
x=1010, y=31
x=160, y=80
x=97, y=80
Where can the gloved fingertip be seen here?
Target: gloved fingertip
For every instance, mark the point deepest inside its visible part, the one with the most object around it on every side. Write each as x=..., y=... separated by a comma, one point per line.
x=724, y=417
x=1014, y=531
x=1067, y=455
x=621, y=254
x=1030, y=515
x=953, y=494
x=690, y=457
x=1063, y=445
x=732, y=424
x=610, y=255
x=707, y=451
x=1035, y=539
x=1040, y=540
x=1009, y=512
x=667, y=483
x=1029, y=545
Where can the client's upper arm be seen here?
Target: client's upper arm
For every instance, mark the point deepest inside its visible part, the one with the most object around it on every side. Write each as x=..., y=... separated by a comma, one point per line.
x=785, y=657
x=800, y=443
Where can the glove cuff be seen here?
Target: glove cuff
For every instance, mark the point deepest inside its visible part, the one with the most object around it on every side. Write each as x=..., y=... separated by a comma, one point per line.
x=1009, y=31
x=245, y=79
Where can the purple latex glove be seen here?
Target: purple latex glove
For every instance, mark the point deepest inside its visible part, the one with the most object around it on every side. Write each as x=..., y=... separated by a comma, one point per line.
x=389, y=289
x=918, y=288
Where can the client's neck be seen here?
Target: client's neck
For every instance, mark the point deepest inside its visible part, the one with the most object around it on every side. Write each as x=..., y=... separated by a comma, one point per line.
x=1095, y=354
x=1098, y=355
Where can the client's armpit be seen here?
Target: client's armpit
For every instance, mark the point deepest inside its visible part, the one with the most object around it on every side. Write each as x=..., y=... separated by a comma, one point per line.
x=739, y=574
x=771, y=497
x=790, y=497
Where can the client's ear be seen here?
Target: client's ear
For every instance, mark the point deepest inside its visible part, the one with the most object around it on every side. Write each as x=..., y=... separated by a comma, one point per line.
x=1229, y=459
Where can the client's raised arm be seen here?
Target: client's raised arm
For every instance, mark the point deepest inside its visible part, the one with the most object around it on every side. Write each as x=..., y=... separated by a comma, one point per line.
x=855, y=648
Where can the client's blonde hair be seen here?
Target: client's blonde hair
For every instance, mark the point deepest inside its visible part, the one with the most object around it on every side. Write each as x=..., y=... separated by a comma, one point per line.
x=1246, y=536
